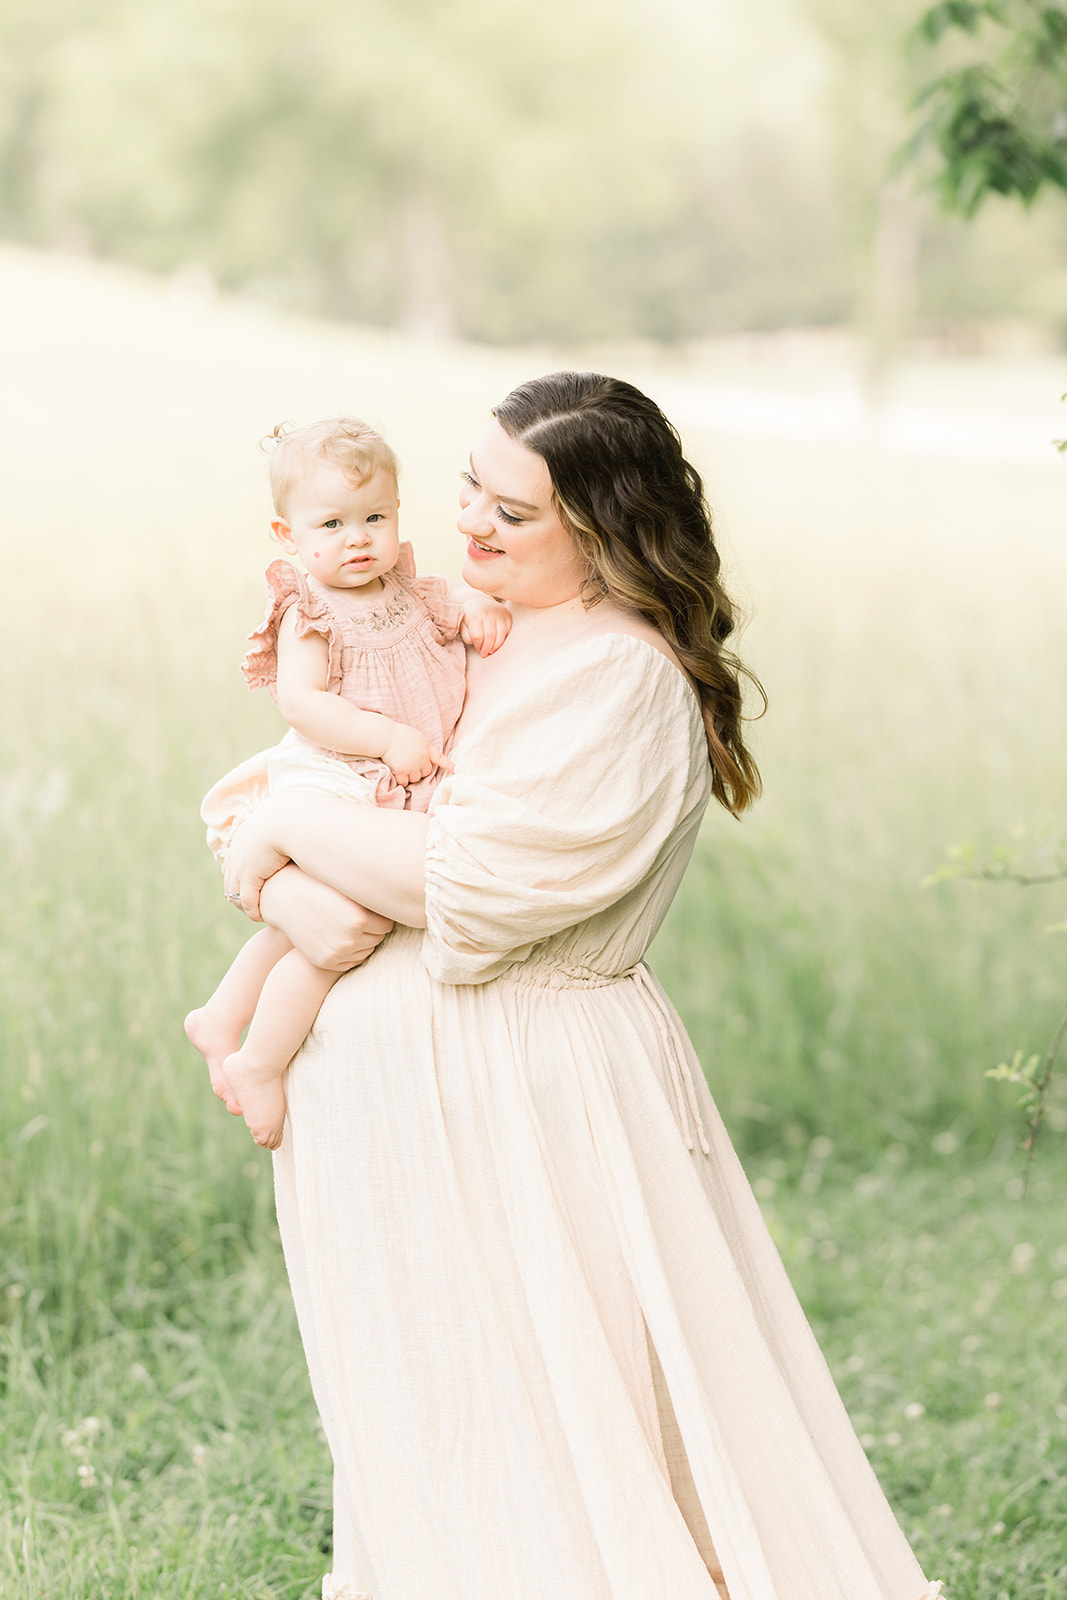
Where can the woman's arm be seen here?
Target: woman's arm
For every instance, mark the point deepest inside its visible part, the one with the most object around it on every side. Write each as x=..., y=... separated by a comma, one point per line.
x=371, y=856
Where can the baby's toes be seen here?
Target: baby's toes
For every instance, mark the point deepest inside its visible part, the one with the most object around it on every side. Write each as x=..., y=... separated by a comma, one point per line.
x=268, y=1138
x=225, y=1093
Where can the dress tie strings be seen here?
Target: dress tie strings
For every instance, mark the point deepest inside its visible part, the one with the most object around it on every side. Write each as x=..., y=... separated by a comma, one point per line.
x=687, y=1107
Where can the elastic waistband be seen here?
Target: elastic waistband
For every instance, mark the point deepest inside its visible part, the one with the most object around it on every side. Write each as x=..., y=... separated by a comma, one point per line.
x=530, y=976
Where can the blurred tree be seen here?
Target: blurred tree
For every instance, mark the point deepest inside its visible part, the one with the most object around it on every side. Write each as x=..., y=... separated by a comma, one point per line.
x=488, y=167
x=872, y=83
x=995, y=120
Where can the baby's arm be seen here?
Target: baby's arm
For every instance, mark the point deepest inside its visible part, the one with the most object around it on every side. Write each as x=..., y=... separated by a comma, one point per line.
x=329, y=720
x=486, y=623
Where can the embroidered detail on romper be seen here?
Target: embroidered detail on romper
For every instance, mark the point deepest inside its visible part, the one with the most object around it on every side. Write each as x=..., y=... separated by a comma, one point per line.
x=377, y=620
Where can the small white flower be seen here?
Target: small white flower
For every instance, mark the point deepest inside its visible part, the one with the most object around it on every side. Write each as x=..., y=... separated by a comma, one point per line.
x=993, y=1400
x=914, y=1410
x=893, y=1439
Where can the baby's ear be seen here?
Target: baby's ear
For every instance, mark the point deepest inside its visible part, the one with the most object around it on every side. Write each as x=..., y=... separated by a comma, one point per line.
x=284, y=534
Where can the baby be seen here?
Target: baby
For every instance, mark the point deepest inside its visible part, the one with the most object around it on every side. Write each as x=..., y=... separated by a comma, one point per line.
x=366, y=663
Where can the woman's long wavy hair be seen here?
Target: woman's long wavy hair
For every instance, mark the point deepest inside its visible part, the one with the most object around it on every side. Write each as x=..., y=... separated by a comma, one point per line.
x=636, y=510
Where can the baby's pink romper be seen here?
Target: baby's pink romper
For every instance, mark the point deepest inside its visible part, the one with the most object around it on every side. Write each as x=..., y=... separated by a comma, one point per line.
x=398, y=653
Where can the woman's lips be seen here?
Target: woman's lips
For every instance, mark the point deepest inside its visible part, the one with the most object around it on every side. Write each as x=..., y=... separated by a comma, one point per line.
x=481, y=552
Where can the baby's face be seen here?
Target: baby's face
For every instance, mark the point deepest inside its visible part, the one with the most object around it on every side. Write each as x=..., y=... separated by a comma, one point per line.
x=346, y=534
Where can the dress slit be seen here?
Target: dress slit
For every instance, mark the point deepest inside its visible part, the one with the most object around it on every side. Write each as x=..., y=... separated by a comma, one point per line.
x=681, y=1474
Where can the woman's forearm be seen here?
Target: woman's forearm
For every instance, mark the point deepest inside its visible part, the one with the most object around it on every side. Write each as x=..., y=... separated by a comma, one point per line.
x=375, y=857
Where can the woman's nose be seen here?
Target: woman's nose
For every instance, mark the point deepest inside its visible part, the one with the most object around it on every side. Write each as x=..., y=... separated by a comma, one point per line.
x=472, y=516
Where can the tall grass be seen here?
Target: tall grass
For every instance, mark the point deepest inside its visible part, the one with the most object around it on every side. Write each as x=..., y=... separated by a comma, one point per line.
x=916, y=703
x=156, y=1436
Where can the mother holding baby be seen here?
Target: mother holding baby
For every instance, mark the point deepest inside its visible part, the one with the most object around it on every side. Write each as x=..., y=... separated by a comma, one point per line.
x=555, y=1352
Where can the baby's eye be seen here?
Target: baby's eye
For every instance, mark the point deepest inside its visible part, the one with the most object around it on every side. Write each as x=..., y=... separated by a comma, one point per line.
x=332, y=522
x=375, y=516
x=505, y=516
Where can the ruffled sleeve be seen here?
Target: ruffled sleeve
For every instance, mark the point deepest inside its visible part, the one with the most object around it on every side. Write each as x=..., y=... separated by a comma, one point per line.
x=562, y=803
x=445, y=614
x=287, y=587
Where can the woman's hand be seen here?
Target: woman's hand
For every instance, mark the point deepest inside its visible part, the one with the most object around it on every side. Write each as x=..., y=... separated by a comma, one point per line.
x=253, y=857
x=330, y=931
x=370, y=854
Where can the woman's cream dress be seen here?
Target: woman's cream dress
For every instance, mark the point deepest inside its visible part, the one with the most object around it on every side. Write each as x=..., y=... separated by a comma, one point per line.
x=555, y=1351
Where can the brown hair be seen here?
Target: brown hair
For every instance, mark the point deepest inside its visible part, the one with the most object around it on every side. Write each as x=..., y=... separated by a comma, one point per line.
x=354, y=446
x=635, y=508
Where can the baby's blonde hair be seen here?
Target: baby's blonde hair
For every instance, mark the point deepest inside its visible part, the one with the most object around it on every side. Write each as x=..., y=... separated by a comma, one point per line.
x=354, y=446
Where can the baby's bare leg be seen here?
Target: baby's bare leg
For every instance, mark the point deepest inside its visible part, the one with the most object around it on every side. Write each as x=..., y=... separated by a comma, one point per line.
x=287, y=1007
x=216, y=1028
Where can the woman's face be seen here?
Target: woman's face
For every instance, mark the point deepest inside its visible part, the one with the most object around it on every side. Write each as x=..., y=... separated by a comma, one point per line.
x=517, y=547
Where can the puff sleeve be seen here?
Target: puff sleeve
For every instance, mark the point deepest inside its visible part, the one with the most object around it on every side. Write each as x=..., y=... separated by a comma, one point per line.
x=563, y=802
x=287, y=587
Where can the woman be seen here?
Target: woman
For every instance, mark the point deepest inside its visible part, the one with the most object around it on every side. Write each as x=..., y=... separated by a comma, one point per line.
x=555, y=1352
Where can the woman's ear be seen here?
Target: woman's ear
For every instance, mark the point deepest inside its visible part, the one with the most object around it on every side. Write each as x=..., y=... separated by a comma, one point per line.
x=284, y=535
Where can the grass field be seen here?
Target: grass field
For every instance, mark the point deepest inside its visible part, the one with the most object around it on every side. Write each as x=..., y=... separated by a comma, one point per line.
x=157, y=1437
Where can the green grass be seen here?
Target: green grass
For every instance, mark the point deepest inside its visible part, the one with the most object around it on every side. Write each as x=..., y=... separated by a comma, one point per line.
x=845, y=1015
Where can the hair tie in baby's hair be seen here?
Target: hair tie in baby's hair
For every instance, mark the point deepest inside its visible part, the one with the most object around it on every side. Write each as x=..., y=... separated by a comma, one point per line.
x=271, y=441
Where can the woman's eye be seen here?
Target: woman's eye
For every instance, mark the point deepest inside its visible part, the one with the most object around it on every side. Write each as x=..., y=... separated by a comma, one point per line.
x=505, y=516
x=466, y=478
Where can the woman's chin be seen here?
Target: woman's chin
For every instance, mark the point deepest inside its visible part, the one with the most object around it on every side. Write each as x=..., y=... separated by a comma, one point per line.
x=478, y=575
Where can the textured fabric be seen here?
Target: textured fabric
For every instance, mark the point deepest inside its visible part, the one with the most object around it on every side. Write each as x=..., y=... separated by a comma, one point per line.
x=553, y=1346
x=397, y=653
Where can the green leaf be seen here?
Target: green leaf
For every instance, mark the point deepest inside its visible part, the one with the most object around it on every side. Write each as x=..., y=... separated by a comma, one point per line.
x=963, y=14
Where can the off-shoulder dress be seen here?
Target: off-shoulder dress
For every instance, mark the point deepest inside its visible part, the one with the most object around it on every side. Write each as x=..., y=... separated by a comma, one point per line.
x=397, y=652
x=554, y=1349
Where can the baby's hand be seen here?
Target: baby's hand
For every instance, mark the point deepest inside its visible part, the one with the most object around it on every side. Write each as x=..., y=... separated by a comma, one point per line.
x=410, y=757
x=486, y=623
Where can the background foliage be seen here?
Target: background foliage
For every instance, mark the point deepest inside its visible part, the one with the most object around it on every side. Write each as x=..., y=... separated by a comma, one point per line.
x=997, y=115
x=504, y=171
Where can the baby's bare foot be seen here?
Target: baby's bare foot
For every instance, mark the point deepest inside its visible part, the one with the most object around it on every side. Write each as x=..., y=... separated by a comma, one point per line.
x=215, y=1041
x=259, y=1089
